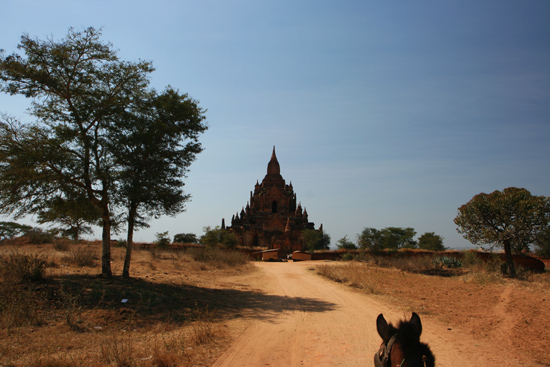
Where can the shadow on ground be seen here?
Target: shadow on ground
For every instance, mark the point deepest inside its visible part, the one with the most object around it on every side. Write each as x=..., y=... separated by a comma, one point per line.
x=147, y=303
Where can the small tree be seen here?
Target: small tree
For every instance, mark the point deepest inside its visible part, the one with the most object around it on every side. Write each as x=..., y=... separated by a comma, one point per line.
x=315, y=240
x=511, y=219
x=394, y=238
x=431, y=241
x=155, y=141
x=370, y=239
x=345, y=244
x=163, y=240
x=186, y=238
x=74, y=212
x=8, y=230
x=216, y=236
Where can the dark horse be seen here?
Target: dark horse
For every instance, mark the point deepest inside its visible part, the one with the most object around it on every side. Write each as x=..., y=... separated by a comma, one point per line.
x=401, y=346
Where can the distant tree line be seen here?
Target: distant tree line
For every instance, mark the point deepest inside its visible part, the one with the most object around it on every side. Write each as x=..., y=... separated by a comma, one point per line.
x=392, y=238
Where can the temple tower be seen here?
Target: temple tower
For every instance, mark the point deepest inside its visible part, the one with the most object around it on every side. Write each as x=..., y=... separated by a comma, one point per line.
x=272, y=218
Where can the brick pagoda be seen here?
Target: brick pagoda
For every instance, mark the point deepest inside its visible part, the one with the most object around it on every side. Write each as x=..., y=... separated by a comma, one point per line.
x=271, y=219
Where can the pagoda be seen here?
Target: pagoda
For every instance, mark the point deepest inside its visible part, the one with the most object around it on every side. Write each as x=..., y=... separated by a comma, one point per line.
x=271, y=218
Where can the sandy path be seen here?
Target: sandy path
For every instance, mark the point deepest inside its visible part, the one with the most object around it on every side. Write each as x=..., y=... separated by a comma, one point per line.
x=316, y=322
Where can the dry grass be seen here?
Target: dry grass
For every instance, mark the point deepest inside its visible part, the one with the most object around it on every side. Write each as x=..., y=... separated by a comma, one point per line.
x=362, y=274
x=55, y=310
x=352, y=273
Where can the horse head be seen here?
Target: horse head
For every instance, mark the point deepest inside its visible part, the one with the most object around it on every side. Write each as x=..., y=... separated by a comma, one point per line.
x=401, y=346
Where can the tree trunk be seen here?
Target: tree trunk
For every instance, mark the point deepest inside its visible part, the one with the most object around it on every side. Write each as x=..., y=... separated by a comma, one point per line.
x=106, y=243
x=130, y=241
x=509, y=259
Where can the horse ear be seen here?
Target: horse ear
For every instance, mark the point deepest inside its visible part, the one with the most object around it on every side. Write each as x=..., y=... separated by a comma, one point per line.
x=382, y=327
x=416, y=323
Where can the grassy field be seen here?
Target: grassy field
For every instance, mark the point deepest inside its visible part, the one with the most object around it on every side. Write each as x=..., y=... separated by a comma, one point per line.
x=56, y=311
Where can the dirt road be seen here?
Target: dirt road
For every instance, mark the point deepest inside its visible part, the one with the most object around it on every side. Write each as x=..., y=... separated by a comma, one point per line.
x=312, y=321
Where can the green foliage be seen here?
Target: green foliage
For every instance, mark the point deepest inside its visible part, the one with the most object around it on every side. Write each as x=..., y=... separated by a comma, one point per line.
x=73, y=212
x=9, y=230
x=78, y=87
x=431, y=241
x=38, y=236
x=101, y=133
x=370, y=239
x=392, y=238
x=216, y=236
x=315, y=240
x=448, y=262
x=186, y=238
x=542, y=243
x=163, y=240
x=511, y=219
x=345, y=244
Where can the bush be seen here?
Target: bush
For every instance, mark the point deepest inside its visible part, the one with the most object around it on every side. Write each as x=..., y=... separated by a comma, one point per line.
x=18, y=268
x=163, y=241
x=218, y=237
x=37, y=236
x=62, y=245
x=186, y=238
x=121, y=243
x=83, y=256
x=19, y=304
x=448, y=262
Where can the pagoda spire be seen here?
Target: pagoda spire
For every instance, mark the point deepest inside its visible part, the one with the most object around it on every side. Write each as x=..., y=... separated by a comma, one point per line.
x=273, y=165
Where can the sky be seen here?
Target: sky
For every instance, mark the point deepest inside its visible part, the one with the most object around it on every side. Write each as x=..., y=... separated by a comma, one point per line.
x=382, y=114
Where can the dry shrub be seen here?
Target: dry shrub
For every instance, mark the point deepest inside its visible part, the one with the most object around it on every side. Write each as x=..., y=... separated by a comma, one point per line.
x=62, y=244
x=82, y=256
x=204, y=329
x=355, y=274
x=19, y=303
x=480, y=271
x=118, y=351
x=219, y=258
x=50, y=361
x=19, y=306
x=19, y=268
x=168, y=350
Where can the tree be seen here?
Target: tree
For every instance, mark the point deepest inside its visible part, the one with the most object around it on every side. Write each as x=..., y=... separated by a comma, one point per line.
x=9, y=230
x=163, y=240
x=315, y=240
x=392, y=238
x=154, y=142
x=77, y=85
x=395, y=238
x=431, y=241
x=511, y=219
x=73, y=212
x=216, y=236
x=542, y=243
x=85, y=100
x=186, y=238
x=370, y=239
x=345, y=244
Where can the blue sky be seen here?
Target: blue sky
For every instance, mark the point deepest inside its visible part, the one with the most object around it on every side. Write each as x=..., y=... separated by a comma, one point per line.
x=382, y=113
